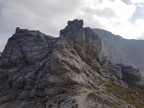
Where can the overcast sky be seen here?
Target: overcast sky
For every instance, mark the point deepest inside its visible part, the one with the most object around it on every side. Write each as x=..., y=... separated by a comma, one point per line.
x=121, y=17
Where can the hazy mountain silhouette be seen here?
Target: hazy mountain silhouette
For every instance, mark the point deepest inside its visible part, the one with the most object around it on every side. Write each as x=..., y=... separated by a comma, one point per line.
x=122, y=51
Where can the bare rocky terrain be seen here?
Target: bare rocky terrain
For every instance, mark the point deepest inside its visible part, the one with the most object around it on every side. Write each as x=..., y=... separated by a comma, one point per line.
x=40, y=71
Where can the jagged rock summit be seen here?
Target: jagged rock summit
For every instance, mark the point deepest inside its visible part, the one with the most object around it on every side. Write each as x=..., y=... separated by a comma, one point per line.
x=40, y=71
x=72, y=27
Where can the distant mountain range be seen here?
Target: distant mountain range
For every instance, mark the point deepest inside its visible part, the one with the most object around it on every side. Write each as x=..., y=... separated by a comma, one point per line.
x=122, y=51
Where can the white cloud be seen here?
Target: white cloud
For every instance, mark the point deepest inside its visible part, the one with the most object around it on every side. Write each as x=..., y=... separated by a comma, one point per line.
x=137, y=1
x=112, y=15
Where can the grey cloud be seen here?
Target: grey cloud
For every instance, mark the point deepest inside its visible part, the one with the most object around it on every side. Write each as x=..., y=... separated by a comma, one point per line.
x=127, y=1
x=139, y=13
x=90, y=21
x=32, y=14
x=106, y=12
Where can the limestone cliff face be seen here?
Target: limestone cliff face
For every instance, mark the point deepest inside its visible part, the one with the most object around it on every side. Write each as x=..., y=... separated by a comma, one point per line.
x=40, y=71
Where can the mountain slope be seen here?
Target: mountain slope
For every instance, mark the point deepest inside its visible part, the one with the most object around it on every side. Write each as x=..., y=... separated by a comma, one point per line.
x=122, y=51
x=40, y=71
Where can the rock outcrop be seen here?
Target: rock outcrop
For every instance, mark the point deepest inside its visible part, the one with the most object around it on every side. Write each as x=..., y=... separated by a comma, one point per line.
x=26, y=47
x=40, y=71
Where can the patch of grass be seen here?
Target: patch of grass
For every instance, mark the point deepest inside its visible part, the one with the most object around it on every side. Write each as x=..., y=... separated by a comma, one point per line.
x=58, y=101
x=133, y=96
x=70, y=89
x=93, y=97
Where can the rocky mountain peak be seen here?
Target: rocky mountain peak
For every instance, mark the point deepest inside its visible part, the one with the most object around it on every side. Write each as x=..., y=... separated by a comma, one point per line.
x=19, y=31
x=72, y=27
x=77, y=23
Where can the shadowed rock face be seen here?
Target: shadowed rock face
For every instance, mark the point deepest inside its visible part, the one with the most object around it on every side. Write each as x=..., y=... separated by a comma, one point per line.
x=26, y=47
x=72, y=27
x=42, y=69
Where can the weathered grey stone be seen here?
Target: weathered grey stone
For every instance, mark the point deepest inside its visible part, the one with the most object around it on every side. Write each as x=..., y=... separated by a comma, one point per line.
x=26, y=47
x=72, y=27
